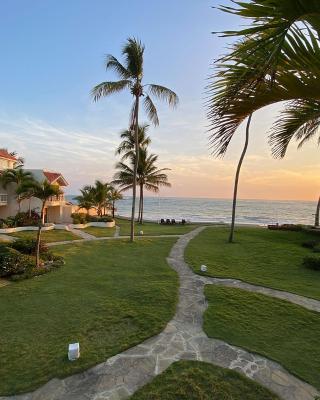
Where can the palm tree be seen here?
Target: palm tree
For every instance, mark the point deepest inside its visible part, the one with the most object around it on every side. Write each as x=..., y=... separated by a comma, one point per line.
x=126, y=147
x=148, y=176
x=131, y=78
x=274, y=61
x=42, y=191
x=21, y=178
x=317, y=218
x=86, y=199
x=100, y=196
x=114, y=195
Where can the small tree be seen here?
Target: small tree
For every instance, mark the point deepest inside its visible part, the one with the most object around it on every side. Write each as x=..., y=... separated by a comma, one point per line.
x=43, y=191
x=114, y=195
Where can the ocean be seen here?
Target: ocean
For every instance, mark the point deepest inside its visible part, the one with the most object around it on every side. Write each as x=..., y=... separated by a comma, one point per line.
x=260, y=212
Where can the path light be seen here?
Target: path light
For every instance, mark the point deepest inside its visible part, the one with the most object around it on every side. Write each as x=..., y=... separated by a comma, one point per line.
x=203, y=268
x=141, y=233
x=74, y=351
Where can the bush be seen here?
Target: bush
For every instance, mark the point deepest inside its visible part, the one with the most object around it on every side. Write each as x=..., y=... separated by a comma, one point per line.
x=79, y=218
x=24, y=219
x=310, y=244
x=312, y=262
x=7, y=223
x=105, y=218
x=28, y=246
x=12, y=262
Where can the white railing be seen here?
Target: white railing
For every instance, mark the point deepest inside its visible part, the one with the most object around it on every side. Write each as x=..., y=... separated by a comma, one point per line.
x=3, y=199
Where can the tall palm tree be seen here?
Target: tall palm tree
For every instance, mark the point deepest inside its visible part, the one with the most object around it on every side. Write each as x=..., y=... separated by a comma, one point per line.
x=131, y=78
x=317, y=217
x=114, y=195
x=148, y=176
x=273, y=61
x=126, y=147
x=21, y=178
x=42, y=191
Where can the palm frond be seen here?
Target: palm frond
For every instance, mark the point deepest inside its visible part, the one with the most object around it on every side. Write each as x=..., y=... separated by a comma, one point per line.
x=300, y=121
x=163, y=93
x=133, y=51
x=151, y=110
x=112, y=63
x=105, y=89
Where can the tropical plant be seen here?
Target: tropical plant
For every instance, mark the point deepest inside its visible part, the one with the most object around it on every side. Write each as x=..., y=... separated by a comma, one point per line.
x=148, y=176
x=131, y=78
x=114, y=195
x=86, y=199
x=126, y=147
x=23, y=180
x=274, y=60
x=43, y=191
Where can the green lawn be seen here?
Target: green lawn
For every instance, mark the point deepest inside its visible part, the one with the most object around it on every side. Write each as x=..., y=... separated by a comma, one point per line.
x=109, y=296
x=99, y=231
x=259, y=256
x=194, y=380
x=48, y=236
x=152, y=228
x=277, y=329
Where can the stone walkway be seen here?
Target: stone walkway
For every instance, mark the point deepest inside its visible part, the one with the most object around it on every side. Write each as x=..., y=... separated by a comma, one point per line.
x=182, y=339
x=81, y=233
x=306, y=302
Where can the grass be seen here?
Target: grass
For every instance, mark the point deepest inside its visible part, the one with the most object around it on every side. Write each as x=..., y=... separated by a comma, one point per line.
x=99, y=231
x=152, y=228
x=277, y=329
x=109, y=296
x=259, y=256
x=48, y=236
x=194, y=380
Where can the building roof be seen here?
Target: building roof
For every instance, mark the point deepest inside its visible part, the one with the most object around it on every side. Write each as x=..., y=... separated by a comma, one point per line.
x=4, y=154
x=52, y=177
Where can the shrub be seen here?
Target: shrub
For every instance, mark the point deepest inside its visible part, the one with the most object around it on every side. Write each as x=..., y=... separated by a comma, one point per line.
x=12, y=262
x=310, y=244
x=79, y=218
x=312, y=262
x=26, y=219
x=28, y=246
x=105, y=218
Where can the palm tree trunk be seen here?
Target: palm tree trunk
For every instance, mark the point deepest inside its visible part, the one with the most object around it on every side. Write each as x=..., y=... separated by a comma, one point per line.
x=113, y=205
x=317, y=219
x=135, y=170
x=140, y=204
x=29, y=207
x=141, y=220
x=39, y=236
x=236, y=183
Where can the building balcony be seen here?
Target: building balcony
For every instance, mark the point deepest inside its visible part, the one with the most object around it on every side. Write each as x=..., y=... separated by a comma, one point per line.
x=3, y=199
x=56, y=201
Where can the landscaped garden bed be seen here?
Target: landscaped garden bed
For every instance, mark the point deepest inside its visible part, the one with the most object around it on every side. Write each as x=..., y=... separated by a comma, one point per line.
x=277, y=329
x=259, y=256
x=108, y=296
x=193, y=380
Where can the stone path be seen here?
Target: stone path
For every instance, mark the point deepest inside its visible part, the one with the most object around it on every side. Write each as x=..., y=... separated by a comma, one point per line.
x=182, y=339
x=306, y=302
x=117, y=232
x=81, y=233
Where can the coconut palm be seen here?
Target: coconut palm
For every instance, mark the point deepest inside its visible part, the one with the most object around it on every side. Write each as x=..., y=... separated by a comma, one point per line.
x=126, y=147
x=42, y=191
x=131, y=79
x=149, y=177
x=86, y=199
x=274, y=61
x=100, y=196
x=114, y=195
x=20, y=178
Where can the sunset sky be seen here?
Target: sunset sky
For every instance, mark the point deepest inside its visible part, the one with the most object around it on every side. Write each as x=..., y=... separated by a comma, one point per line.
x=52, y=54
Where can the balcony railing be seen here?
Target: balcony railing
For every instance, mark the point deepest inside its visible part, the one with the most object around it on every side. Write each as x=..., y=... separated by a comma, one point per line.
x=56, y=200
x=3, y=199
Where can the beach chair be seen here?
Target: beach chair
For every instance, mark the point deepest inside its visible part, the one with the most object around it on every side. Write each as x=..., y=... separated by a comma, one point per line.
x=173, y=221
x=168, y=221
x=183, y=221
x=162, y=221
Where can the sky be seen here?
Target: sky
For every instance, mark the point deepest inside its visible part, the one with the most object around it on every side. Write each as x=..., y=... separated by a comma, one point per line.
x=52, y=54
